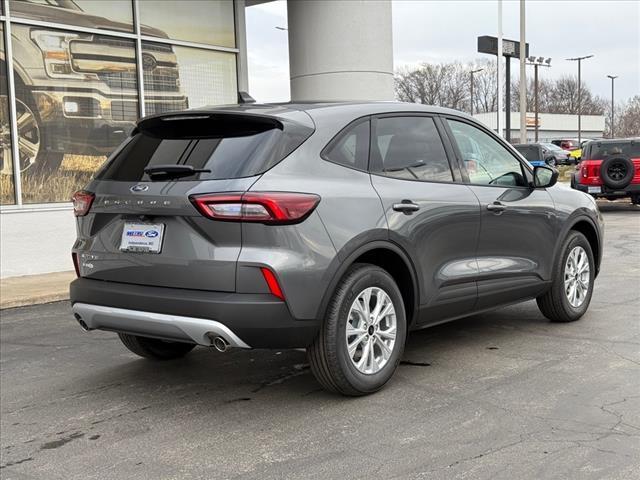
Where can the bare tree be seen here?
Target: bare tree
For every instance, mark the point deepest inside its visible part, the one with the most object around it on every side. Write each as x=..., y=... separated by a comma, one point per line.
x=447, y=85
x=627, y=119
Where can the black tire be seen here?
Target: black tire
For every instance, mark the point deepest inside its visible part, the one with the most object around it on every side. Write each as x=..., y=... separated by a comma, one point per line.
x=635, y=199
x=48, y=162
x=554, y=304
x=155, y=349
x=328, y=354
x=617, y=172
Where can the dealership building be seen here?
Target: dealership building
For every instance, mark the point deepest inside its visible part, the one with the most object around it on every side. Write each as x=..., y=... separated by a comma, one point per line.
x=76, y=75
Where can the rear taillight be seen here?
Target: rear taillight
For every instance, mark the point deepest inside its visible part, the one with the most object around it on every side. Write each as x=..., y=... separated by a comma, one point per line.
x=82, y=201
x=76, y=264
x=263, y=207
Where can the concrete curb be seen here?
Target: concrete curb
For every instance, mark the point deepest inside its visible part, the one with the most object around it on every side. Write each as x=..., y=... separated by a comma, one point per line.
x=34, y=289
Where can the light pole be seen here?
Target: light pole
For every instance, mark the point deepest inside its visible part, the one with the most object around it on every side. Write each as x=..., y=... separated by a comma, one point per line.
x=612, y=77
x=537, y=62
x=579, y=60
x=471, y=73
x=523, y=75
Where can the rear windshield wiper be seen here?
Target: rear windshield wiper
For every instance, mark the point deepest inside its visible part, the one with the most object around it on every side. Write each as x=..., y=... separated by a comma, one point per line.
x=161, y=172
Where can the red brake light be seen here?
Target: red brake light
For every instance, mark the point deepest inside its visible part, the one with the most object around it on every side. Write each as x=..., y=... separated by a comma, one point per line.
x=272, y=283
x=82, y=201
x=263, y=207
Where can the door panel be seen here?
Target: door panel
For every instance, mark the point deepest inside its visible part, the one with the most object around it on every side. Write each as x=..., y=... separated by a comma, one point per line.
x=515, y=250
x=435, y=220
x=518, y=222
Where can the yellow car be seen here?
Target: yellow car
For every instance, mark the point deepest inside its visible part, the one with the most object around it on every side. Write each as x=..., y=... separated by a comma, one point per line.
x=576, y=154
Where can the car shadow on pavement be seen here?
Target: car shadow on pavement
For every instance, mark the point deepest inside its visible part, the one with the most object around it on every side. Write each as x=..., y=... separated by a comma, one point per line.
x=242, y=375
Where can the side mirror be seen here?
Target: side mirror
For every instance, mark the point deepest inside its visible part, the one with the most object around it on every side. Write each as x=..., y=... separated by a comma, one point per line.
x=544, y=177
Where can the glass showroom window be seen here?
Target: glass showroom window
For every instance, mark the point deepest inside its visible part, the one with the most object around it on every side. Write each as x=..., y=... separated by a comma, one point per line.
x=209, y=22
x=110, y=15
x=77, y=96
x=176, y=78
x=6, y=165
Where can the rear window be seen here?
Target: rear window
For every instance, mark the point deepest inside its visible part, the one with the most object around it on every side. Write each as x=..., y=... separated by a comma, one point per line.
x=599, y=151
x=531, y=153
x=227, y=147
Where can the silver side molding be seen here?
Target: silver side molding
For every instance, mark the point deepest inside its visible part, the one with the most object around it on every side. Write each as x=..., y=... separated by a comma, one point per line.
x=158, y=325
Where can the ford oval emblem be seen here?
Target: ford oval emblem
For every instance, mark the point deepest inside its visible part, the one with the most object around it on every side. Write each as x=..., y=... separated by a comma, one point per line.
x=151, y=233
x=139, y=188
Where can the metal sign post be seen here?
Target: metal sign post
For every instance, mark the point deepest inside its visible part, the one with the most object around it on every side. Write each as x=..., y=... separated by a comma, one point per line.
x=510, y=49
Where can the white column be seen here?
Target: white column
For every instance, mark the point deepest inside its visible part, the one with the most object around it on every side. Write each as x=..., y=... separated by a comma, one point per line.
x=340, y=50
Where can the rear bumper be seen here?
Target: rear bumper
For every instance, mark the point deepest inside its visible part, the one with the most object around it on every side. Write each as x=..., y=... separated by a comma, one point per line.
x=244, y=320
x=631, y=189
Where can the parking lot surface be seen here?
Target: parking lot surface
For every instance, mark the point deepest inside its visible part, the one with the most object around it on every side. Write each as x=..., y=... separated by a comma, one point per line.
x=504, y=395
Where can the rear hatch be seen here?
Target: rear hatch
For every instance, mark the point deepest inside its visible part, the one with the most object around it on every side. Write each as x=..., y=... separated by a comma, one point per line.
x=142, y=227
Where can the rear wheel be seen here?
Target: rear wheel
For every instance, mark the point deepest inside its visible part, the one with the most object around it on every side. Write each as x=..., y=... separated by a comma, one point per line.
x=362, y=338
x=570, y=294
x=155, y=349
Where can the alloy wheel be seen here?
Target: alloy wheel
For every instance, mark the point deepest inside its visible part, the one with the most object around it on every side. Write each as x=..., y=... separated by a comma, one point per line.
x=28, y=137
x=371, y=330
x=576, y=276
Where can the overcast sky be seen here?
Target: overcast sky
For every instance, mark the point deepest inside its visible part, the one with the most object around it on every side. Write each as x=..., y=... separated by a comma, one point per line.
x=438, y=31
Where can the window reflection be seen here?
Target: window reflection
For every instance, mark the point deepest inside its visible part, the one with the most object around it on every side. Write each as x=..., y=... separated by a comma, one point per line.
x=76, y=101
x=6, y=167
x=176, y=78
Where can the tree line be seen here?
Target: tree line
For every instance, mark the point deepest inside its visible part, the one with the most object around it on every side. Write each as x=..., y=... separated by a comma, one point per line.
x=449, y=85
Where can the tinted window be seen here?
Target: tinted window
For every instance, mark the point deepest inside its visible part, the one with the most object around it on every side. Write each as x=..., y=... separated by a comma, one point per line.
x=600, y=150
x=231, y=153
x=529, y=152
x=409, y=148
x=486, y=160
x=351, y=147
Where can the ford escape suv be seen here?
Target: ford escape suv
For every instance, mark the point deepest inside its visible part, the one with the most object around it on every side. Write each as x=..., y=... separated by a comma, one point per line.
x=337, y=228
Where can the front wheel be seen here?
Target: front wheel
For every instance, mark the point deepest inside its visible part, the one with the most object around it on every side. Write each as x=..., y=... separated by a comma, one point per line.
x=570, y=293
x=362, y=338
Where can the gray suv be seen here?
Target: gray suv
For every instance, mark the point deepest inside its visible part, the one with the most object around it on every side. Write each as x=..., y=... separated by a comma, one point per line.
x=335, y=227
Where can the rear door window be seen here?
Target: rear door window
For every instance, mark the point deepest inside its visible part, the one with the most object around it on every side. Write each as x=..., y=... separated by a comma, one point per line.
x=409, y=148
x=529, y=152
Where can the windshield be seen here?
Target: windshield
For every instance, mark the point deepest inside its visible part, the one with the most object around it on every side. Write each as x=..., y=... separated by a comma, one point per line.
x=551, y=146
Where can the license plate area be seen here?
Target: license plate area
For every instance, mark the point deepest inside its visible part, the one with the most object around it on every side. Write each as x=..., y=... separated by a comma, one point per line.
x=142, y=237
x=594, y=189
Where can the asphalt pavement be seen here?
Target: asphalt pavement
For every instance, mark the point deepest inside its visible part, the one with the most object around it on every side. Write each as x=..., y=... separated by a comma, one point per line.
x=503, y=395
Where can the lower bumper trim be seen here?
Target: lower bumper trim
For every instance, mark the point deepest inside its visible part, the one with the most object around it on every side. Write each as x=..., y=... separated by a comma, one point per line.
x=158, y=325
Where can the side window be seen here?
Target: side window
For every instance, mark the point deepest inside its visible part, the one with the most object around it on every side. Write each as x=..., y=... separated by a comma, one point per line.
x=486, y=160
x=351, y=147
x=409, y=148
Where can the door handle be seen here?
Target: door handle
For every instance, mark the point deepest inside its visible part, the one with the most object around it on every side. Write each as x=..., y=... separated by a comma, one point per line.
x=496, y=207
x=406, y=206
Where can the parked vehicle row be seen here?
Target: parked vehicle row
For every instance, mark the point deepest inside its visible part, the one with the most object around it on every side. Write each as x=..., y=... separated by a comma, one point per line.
x=337, y=228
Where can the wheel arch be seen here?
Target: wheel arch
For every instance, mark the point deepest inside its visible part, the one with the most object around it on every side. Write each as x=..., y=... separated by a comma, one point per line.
x=388, y=256
x=584, y=224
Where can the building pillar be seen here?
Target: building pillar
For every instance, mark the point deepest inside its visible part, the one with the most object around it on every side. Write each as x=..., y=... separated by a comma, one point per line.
x=340, y=50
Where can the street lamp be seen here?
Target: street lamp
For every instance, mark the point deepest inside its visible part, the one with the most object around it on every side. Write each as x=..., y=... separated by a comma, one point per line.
x=471, y=73
x=579, y=60
x=537, y=62
x=612, y=77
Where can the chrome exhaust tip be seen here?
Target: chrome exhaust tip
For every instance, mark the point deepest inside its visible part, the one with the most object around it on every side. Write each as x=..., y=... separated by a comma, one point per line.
x=220, y=344
x=82, y=323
